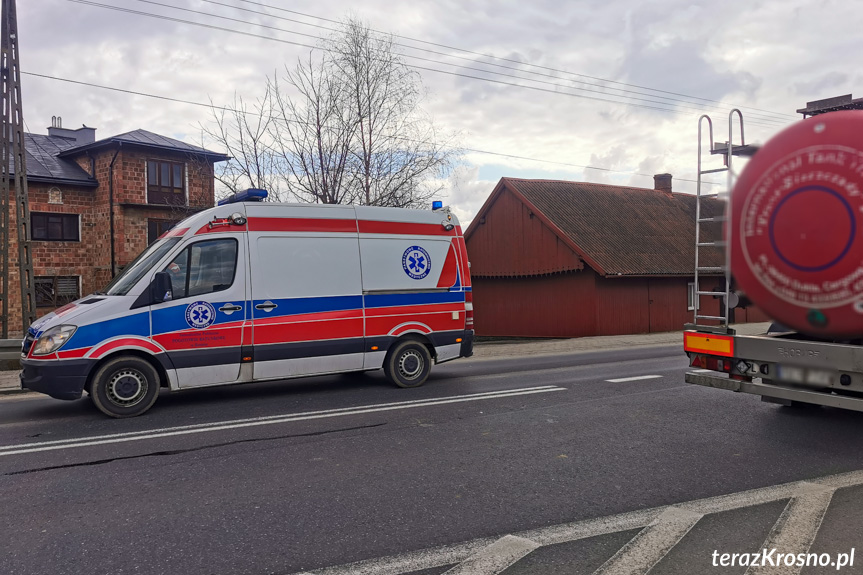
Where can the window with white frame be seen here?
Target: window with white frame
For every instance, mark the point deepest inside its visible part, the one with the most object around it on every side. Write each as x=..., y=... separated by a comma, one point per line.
x=691, y=296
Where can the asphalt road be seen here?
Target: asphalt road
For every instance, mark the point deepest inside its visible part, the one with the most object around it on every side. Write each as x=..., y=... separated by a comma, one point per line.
x=308, y=474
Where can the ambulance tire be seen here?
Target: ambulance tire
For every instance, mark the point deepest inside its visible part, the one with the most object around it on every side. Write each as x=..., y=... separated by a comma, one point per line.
x=125, y=386
x=408, y=363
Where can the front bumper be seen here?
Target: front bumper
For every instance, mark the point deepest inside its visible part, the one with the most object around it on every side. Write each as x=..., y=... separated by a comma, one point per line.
x=61, y=379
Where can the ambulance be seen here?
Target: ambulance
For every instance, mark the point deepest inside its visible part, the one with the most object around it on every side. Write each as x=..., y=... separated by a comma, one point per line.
x=254, y=291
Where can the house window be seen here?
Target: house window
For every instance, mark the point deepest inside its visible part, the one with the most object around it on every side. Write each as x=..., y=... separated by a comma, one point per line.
x=691, y=296
x=155, y=229
x=56, y=291
x=47, y=227
x=166, y=183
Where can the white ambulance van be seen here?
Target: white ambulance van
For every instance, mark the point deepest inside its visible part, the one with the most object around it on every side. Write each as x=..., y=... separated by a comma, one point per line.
x=251, y=291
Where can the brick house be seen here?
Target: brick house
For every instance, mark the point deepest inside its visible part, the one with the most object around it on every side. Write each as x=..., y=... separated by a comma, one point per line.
x=96, y=204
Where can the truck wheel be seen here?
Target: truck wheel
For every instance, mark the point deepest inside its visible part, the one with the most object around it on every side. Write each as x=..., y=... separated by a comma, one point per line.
x=125, y=387
x=408, y=364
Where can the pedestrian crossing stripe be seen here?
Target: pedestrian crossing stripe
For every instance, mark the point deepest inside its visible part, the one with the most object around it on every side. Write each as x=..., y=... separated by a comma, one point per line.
x=661, y=528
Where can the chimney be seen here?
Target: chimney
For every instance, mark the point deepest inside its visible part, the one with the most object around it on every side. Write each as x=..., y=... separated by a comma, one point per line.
x=81, y=136
x=662, y=183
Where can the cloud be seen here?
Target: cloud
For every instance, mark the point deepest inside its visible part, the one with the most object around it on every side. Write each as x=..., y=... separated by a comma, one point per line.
x=466, y=193
x=768, y=57
x=830, y=82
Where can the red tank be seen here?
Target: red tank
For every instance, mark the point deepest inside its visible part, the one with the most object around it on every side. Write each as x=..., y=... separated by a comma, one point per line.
x=797, y=226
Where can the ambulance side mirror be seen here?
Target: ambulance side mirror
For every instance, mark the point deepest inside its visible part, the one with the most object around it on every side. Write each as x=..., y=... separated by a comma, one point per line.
x=161, y=288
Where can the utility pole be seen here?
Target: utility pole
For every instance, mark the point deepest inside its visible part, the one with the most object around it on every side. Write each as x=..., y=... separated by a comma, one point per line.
x=13, y=159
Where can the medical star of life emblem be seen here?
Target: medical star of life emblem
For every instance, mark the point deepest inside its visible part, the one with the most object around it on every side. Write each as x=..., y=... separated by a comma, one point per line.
x=200, y=314
x=416, y=262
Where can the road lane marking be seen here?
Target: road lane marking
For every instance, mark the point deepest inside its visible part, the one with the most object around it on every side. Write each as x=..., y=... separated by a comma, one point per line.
x=280, y=416
x=567, y=532
x=796, y=528
x=651, y=544
x=495, y=558
x=23, y=448
x=636, y=378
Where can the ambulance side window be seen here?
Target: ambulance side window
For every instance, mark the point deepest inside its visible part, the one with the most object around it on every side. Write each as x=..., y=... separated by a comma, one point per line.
x=204, y=267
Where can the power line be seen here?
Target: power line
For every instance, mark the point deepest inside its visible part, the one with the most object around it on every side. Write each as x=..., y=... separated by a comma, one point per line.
x=244, y=112
x=700, y=108
x=281, y=40
x=261, y=4
x=764, y=117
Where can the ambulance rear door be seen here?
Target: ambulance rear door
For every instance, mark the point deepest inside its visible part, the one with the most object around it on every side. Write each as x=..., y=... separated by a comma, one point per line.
x=410, y=279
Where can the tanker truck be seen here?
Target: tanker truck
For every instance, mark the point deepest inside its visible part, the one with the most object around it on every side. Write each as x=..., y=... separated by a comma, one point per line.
x=790, y=240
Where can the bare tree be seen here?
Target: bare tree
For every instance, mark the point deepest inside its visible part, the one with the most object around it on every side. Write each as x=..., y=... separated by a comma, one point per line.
x=244, y=134
x=343, y=126
x=313, y=134
x=396, y=151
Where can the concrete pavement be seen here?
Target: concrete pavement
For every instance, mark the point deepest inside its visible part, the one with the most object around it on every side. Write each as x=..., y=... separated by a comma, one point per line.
x=9, y=382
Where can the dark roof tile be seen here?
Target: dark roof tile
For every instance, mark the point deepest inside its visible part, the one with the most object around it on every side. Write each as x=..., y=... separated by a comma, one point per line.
x=149, y=140
x=624, y=230
x=43, y=163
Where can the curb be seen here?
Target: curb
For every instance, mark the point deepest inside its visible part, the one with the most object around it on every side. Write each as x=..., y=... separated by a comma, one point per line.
x=476, y=357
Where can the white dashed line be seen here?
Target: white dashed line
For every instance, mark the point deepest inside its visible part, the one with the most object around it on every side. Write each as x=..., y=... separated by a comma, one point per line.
x=636, y=378
x=268, y=420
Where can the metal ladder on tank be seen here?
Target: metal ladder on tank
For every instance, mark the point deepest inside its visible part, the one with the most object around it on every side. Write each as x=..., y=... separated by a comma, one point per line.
x=728, y=150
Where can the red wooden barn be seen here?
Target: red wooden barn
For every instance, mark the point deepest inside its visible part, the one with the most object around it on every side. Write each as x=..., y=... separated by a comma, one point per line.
x=570, y=259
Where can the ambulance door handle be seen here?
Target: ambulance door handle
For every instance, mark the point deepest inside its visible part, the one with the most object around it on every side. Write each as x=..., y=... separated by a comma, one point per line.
x=230, y=308
x=266, y=306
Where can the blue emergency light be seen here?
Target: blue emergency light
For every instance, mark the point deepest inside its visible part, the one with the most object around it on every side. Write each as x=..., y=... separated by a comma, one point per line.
x=250, y=195
x=437, y=204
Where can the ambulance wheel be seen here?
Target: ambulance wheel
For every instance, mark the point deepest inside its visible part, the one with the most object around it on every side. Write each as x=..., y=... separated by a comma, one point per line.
x=125, y=386
x=408, y=364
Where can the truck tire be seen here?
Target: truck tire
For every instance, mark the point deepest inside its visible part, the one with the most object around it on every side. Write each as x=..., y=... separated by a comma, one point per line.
x=408, y=364
x=125, y=386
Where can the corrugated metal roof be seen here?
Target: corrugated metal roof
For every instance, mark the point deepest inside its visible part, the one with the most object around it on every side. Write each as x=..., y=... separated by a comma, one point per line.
x=149, y=140
x=43, y=163
x=626, y=231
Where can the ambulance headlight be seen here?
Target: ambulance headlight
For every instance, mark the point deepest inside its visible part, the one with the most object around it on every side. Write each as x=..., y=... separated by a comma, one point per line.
x=53, y=339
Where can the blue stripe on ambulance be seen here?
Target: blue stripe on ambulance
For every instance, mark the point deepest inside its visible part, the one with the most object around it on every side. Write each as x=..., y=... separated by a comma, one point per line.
x=303, y=305
x=90, y=335
x=170, y=319
x=420, y=298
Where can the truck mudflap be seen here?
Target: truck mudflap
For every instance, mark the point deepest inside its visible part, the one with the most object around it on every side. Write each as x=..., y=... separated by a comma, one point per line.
x=775, y=393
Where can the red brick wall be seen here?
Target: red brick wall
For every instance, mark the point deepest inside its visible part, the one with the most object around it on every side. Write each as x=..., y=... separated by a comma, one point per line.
x=130, y=187
x=90, y=258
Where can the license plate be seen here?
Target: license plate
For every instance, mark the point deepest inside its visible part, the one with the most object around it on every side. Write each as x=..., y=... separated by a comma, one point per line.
x=793, y=374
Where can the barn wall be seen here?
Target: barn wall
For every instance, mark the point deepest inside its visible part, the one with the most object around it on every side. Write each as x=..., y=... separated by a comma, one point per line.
x=558, y=305
x=621, y=306
x=645, y=305
x=514, y=242
x=667, y=301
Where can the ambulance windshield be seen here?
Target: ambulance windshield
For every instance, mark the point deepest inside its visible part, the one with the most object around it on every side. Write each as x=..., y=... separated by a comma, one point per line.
x=121, y=284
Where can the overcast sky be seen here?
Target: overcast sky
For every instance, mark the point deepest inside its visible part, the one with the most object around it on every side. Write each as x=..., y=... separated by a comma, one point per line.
x=767, y=57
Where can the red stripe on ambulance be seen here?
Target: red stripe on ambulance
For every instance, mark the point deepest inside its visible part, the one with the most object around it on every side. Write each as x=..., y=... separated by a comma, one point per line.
x=449, y=273
x=125, y=342
x=403, y=228
x=301, y=225
x=308, y=331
